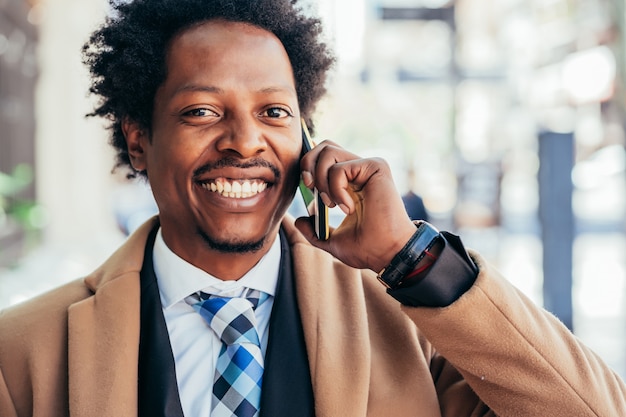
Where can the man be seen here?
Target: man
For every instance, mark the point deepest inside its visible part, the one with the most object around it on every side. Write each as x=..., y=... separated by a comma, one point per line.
x=205, y=99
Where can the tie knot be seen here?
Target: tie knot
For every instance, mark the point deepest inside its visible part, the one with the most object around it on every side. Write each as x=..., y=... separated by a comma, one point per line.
x=232, y=319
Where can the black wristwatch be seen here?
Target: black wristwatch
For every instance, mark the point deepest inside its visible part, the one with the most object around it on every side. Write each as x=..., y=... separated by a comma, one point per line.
x=407, y=259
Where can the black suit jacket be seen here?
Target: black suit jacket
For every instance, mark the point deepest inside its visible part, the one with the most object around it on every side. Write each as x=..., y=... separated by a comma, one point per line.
x=286, y=387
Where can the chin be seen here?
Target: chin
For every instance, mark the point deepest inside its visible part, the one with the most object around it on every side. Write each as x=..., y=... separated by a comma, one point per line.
x=233, y=244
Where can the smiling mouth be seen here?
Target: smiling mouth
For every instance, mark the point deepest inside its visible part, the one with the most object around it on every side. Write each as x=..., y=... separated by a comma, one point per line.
x=235, y=188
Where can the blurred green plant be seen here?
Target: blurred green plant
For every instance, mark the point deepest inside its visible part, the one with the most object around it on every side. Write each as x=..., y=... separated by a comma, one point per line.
x=25, y=212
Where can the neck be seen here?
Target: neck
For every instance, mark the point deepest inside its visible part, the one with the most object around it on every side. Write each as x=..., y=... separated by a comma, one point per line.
x=233, y=266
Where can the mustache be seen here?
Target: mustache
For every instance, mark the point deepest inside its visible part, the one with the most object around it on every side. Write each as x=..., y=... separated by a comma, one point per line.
x=230, y=162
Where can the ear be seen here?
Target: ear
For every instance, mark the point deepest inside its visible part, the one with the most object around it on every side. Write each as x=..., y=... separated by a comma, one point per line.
x=136, y=141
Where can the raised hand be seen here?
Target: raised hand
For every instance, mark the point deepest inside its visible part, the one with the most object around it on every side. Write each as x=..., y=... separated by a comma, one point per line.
x=376, y=225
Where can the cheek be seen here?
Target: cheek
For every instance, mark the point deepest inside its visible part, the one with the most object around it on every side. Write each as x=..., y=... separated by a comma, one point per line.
x=292, y=172
x=292, y=162
x=173, y=155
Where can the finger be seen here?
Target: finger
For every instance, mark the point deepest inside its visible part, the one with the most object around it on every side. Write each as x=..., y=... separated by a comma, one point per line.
x=328, y=156
x=314, y=173
x=347, y=179
x=309, y=160
x=306, y=225
x=308, y=164
x=308, y=180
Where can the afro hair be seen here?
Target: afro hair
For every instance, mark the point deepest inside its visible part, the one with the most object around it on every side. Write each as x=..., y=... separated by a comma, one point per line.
x=126, y=56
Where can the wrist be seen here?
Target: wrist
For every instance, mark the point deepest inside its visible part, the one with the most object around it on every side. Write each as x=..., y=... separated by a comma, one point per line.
x=423, y=266
x=411, y=256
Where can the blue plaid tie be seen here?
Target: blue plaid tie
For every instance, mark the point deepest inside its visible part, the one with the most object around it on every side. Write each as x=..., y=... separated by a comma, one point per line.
x=239, y=367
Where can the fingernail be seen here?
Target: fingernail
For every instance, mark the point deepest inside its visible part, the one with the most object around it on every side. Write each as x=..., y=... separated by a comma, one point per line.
x=307, y=177
x=326, y=199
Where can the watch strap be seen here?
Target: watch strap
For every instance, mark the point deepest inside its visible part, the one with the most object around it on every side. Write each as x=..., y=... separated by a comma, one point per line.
x=410, y=255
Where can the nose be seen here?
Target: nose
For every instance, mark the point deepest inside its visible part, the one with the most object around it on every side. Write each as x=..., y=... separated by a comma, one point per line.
x=244, y=137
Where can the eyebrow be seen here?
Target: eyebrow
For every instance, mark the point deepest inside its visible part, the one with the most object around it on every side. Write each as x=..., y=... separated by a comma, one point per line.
x=198, y=88
x=277, y=89
x=217, y=90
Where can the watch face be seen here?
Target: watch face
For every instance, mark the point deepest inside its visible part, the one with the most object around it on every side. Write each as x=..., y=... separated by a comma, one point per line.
x=405, y=262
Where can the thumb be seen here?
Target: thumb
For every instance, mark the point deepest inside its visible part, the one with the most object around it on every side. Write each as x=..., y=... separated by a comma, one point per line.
x=306, y=226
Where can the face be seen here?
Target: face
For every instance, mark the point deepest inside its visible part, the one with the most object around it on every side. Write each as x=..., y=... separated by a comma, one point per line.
x=222, y=155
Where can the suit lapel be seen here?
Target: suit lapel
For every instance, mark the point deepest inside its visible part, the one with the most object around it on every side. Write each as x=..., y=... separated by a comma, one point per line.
x=158, y=389
x=287, y=381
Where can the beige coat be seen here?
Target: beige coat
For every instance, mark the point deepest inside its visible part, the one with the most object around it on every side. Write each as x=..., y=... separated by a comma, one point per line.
x=74, y=351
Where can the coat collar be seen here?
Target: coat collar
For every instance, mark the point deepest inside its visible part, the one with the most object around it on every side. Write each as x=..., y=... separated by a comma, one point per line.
x=128, y=259
x=104, y=331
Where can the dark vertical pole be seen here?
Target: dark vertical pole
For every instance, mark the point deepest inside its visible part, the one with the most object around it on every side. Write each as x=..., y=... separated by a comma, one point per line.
x=556, y=156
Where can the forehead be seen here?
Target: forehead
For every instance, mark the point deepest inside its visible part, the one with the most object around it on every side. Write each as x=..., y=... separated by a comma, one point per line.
x=219, y=50
x=218, y=32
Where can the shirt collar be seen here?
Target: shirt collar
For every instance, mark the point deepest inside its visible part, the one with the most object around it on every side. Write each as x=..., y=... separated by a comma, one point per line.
x=178, y=278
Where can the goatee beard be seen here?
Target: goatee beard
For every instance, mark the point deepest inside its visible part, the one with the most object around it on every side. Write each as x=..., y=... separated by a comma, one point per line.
x=232, y=247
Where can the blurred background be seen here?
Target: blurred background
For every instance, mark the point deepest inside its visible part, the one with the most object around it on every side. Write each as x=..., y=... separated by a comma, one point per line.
x=506, y=117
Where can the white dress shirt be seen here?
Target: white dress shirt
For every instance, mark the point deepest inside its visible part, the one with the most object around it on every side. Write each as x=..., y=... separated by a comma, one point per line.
x=194, y=345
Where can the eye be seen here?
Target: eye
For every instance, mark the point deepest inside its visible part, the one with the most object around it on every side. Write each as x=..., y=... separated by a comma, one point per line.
x=276, y=113
x=200, y=112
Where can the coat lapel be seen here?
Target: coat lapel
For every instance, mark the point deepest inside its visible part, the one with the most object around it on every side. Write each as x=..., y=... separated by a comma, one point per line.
x=334, y=320
x=287, y=388
x=103, y=333
x=158, y=389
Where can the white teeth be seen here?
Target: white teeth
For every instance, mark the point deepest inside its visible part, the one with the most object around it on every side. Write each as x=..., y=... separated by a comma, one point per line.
x=236, y=189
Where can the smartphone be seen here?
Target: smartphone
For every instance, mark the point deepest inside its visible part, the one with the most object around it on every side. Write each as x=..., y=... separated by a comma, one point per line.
x=314, y=204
